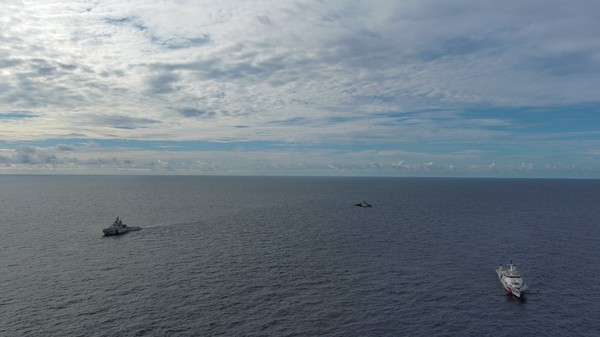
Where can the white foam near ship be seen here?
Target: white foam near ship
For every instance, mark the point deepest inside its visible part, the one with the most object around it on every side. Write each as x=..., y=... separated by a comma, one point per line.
x=118, y=227
x=511, y=279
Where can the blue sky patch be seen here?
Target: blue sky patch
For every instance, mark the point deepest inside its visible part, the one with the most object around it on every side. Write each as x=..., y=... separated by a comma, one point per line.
x=17, y=115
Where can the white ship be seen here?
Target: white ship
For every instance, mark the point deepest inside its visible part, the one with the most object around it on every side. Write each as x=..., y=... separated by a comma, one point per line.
x=511, y=279
x=118, y=227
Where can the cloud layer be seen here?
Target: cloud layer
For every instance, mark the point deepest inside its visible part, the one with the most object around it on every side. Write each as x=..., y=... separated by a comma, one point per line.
x=391, y=87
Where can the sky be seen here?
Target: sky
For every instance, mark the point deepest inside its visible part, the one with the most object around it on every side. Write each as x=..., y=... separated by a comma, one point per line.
x=462, y=88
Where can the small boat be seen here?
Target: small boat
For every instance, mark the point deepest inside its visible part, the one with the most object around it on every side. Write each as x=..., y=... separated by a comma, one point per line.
x=118, y=227
x=363, y=204
x=511, y=279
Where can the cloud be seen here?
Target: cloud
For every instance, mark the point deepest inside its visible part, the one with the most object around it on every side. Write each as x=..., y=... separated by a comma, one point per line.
x=140, y=157
x=192, y=112
x=162, y=83
x=123, y=122
x=64, y=147
x=91, y=145
x=32, y=155
x=406, y=76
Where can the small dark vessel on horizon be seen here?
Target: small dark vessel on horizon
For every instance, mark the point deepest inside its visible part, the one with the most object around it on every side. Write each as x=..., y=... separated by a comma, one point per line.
x=363, y=204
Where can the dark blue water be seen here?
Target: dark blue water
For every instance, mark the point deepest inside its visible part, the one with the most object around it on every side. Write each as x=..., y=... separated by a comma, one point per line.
x=247, y=256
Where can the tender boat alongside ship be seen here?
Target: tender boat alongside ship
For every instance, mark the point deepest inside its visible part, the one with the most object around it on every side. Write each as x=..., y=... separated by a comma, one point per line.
x=118, y=227
x=511, y=279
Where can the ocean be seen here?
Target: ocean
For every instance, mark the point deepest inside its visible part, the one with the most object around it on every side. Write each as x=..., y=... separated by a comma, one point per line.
x=293, y=256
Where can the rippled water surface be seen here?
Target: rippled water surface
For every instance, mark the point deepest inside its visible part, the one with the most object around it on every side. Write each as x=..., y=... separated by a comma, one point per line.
x=262, y=256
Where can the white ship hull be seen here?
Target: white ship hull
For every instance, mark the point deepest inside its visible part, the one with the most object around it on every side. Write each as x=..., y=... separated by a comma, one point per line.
x=511, y=280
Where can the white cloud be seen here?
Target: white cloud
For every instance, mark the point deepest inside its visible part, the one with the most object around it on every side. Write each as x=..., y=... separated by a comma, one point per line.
x=335, y=72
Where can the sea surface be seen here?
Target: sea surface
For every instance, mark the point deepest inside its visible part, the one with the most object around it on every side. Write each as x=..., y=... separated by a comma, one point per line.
x=291, y=256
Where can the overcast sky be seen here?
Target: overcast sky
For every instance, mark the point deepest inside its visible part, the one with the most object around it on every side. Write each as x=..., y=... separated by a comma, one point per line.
x=400, y=87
